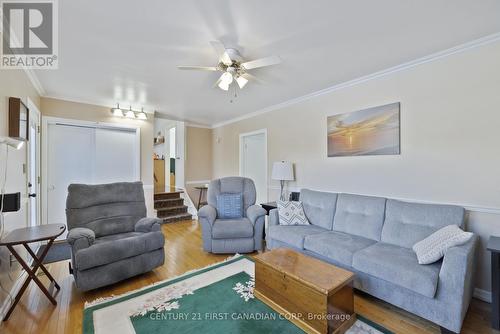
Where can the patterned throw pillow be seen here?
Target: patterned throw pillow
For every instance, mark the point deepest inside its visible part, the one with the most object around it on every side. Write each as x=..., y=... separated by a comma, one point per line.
x=432, y=248
x=229, y=206
x=291, y=213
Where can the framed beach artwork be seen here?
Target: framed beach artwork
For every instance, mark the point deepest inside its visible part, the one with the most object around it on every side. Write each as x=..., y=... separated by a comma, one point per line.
x=373, y=131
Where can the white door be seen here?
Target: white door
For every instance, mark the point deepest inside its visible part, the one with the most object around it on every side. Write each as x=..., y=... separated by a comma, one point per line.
x=33, y=166
x=253, y=161
x=115, y=156
x=71, y=156
x=88, y=155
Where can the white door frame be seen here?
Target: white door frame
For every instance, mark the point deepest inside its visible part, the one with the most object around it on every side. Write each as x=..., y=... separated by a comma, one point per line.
x=253, y=133
x=46, y=120
x=33, y=109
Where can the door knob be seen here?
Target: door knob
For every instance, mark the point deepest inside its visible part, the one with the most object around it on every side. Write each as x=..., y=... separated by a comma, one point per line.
x=31, y=195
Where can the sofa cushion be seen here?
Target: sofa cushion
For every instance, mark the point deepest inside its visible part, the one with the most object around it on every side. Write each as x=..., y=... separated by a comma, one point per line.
x=232, y=228
x=399, y=266
x=319, y=207
x=229, y=206
x=360, y=215
x=116, y=247
x=337, y=246
x=408, y=223
x=293, y=235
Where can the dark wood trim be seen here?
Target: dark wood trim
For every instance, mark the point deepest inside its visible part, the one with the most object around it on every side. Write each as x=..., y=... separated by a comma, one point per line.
x=15, y=104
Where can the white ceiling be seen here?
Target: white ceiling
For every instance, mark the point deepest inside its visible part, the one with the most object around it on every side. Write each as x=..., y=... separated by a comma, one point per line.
x=127, y=51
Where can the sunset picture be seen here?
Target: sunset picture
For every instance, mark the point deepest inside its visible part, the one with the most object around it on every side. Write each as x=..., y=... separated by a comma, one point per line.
x=373, y=131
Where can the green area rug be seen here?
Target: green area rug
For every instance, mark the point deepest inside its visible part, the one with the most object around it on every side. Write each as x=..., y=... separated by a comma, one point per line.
x=216, y=299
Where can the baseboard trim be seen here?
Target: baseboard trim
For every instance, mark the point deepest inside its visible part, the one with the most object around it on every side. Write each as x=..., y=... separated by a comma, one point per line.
x=483, y=295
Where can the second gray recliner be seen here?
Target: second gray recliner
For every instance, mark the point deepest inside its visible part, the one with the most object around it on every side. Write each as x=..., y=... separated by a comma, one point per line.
x=237, y=235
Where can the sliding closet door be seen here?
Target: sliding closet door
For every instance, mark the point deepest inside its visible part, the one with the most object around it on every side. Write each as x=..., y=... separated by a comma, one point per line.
x=70, y=156
x=89, y=155
x=116, y=156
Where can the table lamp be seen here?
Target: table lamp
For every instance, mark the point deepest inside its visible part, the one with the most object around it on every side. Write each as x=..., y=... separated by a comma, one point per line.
x=282, y=171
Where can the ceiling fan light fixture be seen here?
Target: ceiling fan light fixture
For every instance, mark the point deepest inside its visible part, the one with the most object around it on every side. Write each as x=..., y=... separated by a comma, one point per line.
x=223, y=85
x=227, y=78
x=241, y=81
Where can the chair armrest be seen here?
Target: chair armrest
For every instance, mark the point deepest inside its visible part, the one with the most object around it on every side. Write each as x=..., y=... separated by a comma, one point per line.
x=274, y=218
x=254, y=212
x=206, y=216
x=80, y=237
x=207, y=213
x=148, y=224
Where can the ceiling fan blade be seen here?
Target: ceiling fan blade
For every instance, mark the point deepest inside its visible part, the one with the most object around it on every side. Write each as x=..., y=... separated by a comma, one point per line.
x=201, y=68
x=250, y=77
x=218, y=81
x=267, y=61
x=220, y=49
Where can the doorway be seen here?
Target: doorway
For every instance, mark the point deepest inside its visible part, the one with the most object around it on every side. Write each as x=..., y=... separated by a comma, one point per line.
x=33, y=166
x=253, y=161
x=169, y=152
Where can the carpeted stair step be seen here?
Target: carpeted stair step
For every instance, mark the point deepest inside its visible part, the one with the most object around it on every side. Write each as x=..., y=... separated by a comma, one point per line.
x=178, y=217
x=172, y=211
x=169, y=195
x=168, y=203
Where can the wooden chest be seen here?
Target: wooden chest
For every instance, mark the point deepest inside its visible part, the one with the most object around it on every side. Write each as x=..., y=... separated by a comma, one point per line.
x=314, y=295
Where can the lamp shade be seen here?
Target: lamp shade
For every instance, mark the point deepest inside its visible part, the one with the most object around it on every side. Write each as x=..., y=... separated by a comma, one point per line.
x=283, y=170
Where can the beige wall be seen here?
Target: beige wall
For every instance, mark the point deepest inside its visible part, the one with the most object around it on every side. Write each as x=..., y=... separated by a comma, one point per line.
x=88, y=112
x=198, y=164
x=13, y=83
x=450, y=116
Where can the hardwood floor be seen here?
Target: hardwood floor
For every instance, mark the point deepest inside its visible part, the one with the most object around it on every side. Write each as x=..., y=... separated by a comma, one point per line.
x=183, y=252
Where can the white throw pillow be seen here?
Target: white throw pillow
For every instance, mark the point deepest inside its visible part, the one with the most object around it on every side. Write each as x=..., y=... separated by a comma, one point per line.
x=432, y=248
x=291, y=213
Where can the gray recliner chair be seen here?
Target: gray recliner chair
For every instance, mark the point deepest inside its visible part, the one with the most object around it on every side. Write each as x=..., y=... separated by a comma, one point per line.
x=110, y=238
x=237, y=235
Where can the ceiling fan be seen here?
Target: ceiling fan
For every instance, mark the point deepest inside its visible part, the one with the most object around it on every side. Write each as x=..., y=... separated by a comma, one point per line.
x=233, y=66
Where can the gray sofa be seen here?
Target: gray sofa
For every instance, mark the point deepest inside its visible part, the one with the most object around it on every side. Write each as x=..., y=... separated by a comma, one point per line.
x=240, y=235
x=373, y=237
x=110, y=238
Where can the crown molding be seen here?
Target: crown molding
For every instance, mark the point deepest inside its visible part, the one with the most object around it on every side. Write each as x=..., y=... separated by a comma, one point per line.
x=402, y=67
x=196, y=125
x=29, y=72
x=35, y=81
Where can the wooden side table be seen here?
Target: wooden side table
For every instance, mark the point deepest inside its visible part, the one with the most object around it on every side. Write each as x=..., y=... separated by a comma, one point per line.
x=202, y=189
x=494, y=248
x=25, y=236
x=268, y=206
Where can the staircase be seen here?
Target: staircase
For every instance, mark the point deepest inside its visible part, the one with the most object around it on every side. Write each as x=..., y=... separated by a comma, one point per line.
x=170, y=207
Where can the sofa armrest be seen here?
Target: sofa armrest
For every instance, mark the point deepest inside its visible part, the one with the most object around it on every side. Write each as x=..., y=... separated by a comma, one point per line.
x=148, y=224
x=80, y=238
x=456, y=277
x=254, y=212
x=274, y=218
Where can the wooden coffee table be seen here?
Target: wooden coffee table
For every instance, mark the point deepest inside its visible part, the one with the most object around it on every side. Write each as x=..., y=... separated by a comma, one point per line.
x=314, y=295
